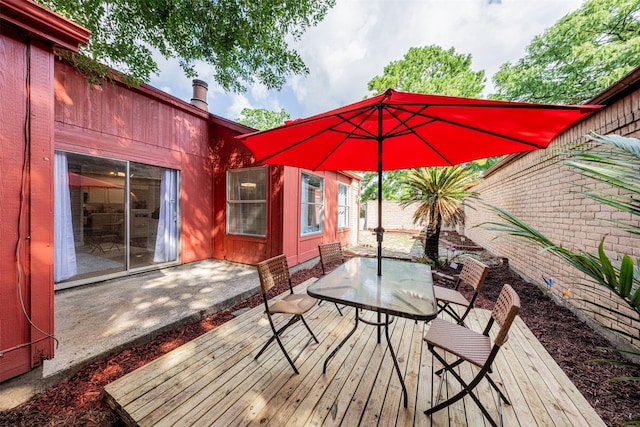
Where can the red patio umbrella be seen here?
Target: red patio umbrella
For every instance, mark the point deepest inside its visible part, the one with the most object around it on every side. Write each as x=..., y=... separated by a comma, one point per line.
x=77, y=180
x=400, y=130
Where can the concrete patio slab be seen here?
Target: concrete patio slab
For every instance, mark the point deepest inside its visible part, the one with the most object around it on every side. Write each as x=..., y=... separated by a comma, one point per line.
x=103, y=318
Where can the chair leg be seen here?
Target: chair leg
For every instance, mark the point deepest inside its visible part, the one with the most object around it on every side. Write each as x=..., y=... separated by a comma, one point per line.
x=276, y=336
x=467, y=389
x=309, y=329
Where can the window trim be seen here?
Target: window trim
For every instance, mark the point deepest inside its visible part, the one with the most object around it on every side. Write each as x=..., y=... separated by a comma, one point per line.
x=128, y=270
x=230, y=202
x=322, y=205
x=347, y=207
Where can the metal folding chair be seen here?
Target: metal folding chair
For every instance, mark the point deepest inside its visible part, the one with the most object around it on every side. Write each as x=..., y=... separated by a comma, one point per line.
x=473, y=347
x=275, y=271
x=330, y=253
x=473, y=274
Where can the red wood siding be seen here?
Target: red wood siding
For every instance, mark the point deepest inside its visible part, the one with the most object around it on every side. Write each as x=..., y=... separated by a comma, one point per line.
x=22, y=346
x=118, y=122
x=231, y=154
x=303, y=248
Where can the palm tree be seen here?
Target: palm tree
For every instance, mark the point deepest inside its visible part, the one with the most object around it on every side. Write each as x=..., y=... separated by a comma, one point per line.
x=440, y=192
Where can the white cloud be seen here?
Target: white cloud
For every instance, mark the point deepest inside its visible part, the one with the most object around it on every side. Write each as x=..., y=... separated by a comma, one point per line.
x=359, y=37
x=238, y=103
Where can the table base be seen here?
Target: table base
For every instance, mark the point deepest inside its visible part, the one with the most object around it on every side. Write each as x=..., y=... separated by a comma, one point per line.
x=387, y=321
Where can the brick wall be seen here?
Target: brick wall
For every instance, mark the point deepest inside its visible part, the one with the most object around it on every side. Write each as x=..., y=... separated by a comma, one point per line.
x=393, y=216
x=544, y=193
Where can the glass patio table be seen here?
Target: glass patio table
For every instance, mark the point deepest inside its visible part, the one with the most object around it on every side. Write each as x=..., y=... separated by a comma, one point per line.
x=405, y=289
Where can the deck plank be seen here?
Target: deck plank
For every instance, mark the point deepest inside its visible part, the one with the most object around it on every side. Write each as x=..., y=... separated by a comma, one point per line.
x=214, y=379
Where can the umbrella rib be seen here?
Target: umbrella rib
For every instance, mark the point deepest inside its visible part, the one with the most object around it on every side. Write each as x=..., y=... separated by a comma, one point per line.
x=473, y=128
x=503, y=104
x=411, y=130
x=288, y=147
x=347, y=135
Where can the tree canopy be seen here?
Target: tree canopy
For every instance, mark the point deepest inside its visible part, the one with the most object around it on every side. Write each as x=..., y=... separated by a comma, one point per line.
x=427, y=69
x=581, y=55
x=431, y=69
x=261, y=119
x=244, y=41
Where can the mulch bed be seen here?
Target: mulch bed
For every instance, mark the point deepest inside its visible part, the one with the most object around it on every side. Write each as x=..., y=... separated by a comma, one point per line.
x=78, y=401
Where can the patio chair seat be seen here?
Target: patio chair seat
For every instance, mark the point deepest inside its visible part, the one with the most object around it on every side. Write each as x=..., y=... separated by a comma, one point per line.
x=462, y=342
x=450, y=295
x=473, y=347
x=275, y=271
x=473, y=274
x=293, y=304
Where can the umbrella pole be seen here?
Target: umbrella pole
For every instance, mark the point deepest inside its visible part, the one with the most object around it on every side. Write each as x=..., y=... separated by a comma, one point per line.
x=379, y=230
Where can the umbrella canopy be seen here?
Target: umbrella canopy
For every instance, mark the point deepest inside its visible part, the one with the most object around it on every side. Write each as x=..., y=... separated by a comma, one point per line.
x=400, y=130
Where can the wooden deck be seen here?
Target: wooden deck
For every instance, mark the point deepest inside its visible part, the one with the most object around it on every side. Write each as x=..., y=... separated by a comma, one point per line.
x=214, y=379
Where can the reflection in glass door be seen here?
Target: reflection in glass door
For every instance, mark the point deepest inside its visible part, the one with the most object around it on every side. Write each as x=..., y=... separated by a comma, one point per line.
x=111, y=216
x=153, y=215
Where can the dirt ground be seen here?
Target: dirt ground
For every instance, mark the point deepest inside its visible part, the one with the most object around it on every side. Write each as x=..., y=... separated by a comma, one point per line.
x=574, y=346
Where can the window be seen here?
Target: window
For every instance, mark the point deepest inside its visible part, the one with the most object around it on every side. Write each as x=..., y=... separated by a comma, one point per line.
x=344, y=210
x=111, y=216
x=247, y=201
x=312, y=204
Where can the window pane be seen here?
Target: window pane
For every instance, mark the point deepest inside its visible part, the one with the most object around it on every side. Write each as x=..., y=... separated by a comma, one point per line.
x=247, y=201
x=247, y=218
x=312, y=204
x=343, y=206
x=247, y=184
x=153, y=213
x=97, y=210
x=94, y=205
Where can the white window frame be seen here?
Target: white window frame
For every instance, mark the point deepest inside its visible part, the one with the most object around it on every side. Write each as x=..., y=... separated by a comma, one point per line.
x=233, y=202
x=305, y=228
x=344, y=209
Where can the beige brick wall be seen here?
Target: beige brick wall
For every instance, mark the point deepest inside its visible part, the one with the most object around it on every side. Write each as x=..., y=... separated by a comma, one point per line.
x=393, y=216
x=544, y=193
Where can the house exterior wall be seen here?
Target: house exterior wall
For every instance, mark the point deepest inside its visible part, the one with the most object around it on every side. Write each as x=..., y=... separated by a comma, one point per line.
x=142, y=125
x=543, y=192
x=46, y=105
x=231, y=154
x=300, y=248
x=28, y=34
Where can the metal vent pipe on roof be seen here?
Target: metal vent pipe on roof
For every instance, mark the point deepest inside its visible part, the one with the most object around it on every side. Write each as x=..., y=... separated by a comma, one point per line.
x=200, y=88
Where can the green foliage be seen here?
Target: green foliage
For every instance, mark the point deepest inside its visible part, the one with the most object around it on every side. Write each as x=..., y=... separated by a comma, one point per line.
x=612, y=169
x=244, y=41
x=428, y=69
x=261, y=119
x=618, y=168
x=581, y=55
x=391, y=185
x=431, y=69
x=440, y=192
x=483, y=165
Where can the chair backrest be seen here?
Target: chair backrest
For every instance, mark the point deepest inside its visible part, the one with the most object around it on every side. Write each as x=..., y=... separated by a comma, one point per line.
x=274, y=271
x=329, y=253
x=504, y=312
x=473, y=274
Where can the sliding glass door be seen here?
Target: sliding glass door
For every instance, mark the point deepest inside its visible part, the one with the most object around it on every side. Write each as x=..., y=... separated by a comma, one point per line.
x=112, y=216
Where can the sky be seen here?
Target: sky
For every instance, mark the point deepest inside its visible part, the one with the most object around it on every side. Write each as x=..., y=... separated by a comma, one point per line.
x=358, y=38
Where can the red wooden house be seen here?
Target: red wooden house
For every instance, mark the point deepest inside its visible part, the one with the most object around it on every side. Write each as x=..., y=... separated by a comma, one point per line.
x=103, y=182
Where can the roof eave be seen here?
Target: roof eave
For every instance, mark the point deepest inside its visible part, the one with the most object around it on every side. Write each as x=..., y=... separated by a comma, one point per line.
x=44, y=24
